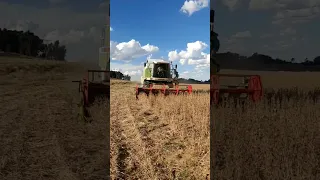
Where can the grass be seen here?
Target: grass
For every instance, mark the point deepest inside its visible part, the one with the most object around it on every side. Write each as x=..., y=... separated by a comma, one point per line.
x=158, y=137
x=40, y=134
x=277, y=138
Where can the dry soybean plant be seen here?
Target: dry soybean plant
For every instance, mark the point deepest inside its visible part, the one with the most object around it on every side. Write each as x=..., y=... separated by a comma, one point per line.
x=277, y=138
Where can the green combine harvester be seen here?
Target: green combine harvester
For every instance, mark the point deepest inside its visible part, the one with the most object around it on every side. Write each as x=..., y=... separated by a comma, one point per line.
x=161, y=77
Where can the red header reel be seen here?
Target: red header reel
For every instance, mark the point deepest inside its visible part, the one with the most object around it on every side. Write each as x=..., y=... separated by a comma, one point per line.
x=252, y=87
x=177, y=90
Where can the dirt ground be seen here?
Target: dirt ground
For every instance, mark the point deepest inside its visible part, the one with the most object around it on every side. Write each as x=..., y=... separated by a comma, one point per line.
x=158, y=137
x=40, y=134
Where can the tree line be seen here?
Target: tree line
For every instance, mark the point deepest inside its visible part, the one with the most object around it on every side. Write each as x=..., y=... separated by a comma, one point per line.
x=119, y=75
x=29, y=44
x=258, y=62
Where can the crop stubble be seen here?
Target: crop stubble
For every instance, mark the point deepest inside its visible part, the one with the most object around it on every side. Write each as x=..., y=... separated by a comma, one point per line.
x=276, y=139
x=40, y=135
x=164, y=137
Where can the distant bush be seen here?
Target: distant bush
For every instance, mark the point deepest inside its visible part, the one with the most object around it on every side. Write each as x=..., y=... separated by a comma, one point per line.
x=119, y=75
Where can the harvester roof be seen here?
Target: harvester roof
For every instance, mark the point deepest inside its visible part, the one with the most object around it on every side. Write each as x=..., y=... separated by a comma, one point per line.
x=158, y=61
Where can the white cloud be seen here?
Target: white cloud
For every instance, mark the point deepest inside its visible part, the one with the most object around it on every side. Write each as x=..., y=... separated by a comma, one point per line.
x=191, y=6
x=231, y=4
x=263, y=4
x=193, y=55
x=103, y=5
x=173, y=55
x=295, y=16
x=282, y=4
x=197, y=73
x=111, y=29
x=128, y=51
x=23, y=25
x=287, y=11
x=72, y=36
x=134, y=71
x=237, y=42
x=243, y=34
x=271, y=4
x=95, y=34
x=150, y=59
x=185, y=74
x=238, y=37
x=55, y=1
x=288, y=31
x=266, y=35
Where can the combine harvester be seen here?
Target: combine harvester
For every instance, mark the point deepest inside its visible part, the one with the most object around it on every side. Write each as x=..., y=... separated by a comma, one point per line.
x=96, y=83
x=161, y=77
x=92, y=86
x=249, y=88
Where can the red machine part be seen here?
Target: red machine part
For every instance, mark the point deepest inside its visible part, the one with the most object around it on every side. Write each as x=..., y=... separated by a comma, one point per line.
x=254, y=90
x=85, y=85
x=215, y=87
x=85, y=91
x=164, y=90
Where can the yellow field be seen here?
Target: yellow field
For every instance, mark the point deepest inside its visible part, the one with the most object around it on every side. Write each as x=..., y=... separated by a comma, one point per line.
x=199, y=86
x=158, y=137
x=277, y=138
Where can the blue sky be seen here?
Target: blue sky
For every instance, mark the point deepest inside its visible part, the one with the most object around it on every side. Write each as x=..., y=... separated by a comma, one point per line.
x=280, y=28
x=153, y=28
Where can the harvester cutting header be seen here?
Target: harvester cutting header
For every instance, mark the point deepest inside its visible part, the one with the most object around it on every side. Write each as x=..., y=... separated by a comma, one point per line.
x=164, y=74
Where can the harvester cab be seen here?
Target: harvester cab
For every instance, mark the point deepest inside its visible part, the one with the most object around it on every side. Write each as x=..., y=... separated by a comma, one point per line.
x=158, y=72
x=164, y=74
